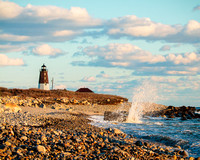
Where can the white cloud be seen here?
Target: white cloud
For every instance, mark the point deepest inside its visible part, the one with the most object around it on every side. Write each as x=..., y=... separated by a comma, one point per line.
x=12, y=48
x=47, y=50
x=9, y=10
x=184, y=59
x=6, y=61
x=179, y=72
x=89, y=79
x=50, y=13
x=193, y=28
x=141, y=62
x=123, y=64
x=123, y=54
x=65, y=33
x=13, y=38
x=43, y=23
x=51, y=24
x=143, y=28
x=140, y=27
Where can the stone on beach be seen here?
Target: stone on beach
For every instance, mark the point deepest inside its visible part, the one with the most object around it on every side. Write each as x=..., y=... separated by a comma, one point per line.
x=9, y=107
x=41, y=149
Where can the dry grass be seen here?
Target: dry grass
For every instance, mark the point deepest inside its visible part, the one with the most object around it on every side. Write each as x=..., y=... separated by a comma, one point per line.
x=80, y=96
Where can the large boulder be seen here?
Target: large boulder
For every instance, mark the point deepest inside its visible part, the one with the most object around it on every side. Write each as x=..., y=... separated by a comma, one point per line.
x=115, y=116
x=9, y=108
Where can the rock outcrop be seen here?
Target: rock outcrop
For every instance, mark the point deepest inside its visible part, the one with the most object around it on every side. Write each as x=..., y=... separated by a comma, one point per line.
x=183, y=112
x=170, y=112
x=62, y=96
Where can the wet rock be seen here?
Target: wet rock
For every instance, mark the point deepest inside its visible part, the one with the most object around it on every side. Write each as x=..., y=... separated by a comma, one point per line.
x=117, y=131
x=115, y=116
x=2, y=148
x=172, y=112
x=184, y=153
x=139, y=143
x=42, y=105
x=183, y=117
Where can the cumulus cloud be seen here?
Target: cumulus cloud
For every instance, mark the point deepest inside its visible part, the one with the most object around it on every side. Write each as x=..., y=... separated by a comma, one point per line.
x=120, y=54
x=125, y=55
x=183, y=58
x=140, y=27
x=6, y=61
x=140, y=61
x=89, y=79
x=193, y=28
x=134, y=27
x=9, y=10
x=49, y=13
x=47, y=50
x=52, y=24
x=43, y=23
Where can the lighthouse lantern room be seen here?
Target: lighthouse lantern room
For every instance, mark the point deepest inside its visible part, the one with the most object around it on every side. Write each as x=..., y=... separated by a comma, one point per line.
x=43, y=79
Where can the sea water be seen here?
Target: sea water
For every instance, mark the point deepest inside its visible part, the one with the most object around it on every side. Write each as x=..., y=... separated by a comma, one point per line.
x=170, y=132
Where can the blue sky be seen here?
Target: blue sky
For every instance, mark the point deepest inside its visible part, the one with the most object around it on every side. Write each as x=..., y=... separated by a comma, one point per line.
x=110, y=46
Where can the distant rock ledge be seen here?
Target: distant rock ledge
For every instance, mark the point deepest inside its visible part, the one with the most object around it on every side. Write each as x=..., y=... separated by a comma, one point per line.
x=39, y=97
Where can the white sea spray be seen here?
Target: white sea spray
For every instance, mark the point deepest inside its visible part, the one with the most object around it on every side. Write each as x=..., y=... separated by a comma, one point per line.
x=143, y=97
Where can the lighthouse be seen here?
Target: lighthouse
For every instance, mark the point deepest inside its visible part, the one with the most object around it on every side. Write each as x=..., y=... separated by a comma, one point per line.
x=43, y=79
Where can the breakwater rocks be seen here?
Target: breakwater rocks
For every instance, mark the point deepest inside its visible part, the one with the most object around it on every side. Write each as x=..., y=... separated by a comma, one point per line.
x=183, y=112
x=167, y=112
x=74, y=138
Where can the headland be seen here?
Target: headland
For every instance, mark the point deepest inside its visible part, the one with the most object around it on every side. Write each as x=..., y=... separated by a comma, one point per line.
x=37, y=124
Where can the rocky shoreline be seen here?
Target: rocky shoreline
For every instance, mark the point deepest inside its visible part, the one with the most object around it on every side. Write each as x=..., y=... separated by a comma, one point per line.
x=38, y=132
x=41, y=137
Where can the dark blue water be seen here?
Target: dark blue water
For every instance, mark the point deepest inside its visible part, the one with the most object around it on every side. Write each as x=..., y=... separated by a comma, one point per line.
x=169, y=132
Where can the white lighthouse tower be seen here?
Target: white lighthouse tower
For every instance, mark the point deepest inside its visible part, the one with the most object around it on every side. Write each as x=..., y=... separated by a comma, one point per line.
x=43, y=79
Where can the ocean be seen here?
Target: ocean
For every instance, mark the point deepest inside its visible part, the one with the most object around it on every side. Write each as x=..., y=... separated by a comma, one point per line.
x=157, y=129
x=170, y=132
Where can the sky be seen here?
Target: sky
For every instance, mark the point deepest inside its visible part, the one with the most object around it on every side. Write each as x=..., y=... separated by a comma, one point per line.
x=112, y=47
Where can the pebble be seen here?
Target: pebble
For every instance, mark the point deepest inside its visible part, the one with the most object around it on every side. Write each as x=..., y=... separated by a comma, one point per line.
x=41, y=149
x=23, y=138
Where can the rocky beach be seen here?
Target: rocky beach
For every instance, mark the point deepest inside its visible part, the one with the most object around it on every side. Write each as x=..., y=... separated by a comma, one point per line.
x=53, y=128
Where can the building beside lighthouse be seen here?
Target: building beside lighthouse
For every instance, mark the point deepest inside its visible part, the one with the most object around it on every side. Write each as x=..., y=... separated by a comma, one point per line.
x=43, y=79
